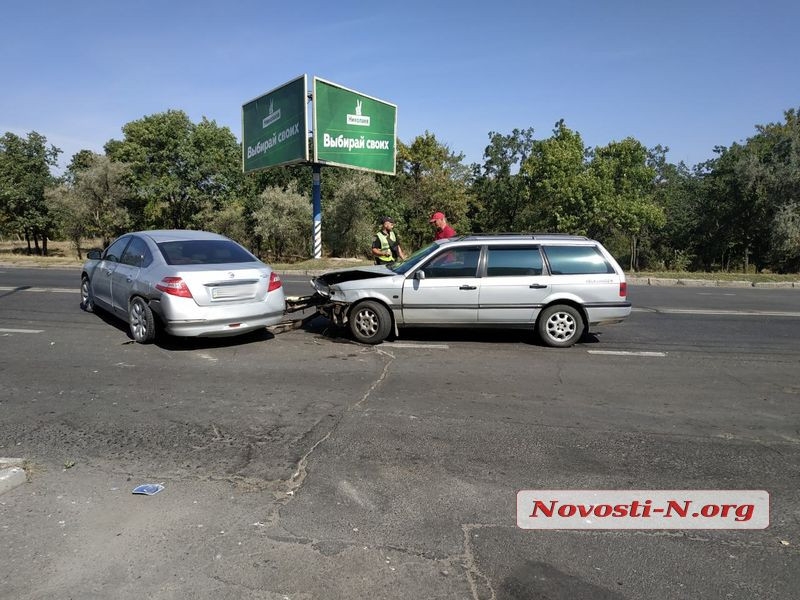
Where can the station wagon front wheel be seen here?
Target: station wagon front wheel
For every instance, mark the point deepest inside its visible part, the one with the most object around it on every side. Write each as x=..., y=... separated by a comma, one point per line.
x=370, y=322
x=560, y=326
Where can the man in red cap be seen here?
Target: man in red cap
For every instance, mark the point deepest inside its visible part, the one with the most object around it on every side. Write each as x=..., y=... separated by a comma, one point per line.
x=443, y=230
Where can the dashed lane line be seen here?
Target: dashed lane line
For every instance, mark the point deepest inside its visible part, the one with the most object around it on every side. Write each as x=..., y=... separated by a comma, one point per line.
x=23, y=288
x=627, y=353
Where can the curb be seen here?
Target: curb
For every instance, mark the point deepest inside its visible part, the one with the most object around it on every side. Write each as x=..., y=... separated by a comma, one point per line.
x=11, y=474
x=662, y=282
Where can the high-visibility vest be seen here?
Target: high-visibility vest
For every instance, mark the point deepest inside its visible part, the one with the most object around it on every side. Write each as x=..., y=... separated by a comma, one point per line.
x=384, y=240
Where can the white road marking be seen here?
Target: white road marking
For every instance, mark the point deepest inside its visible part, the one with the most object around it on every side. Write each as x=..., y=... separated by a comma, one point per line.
x=729, y=313
x=627, y=353
x=22, y=288
x=21, y=330
x=423, y=346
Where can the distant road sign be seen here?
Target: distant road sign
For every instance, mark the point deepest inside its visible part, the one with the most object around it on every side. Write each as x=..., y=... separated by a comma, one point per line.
x=352, y=129
x=275, y=126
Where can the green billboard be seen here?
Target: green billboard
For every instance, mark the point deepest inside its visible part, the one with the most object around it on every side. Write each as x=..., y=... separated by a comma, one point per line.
x=274, y=127
x=352, y=129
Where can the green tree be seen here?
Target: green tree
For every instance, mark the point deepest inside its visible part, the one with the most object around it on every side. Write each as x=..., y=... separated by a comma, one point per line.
x=183, y=171
x=561, y=188
x=786, y=239
x=677, y=192
x=500, y=190
x=431, y=178
x=283, y=223
x=624, y=205
x=24, y=175
x=96, y=204
x=348, y=225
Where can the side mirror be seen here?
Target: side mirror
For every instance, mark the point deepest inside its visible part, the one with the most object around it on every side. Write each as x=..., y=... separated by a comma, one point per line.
x=93, y=254
x=419, y=275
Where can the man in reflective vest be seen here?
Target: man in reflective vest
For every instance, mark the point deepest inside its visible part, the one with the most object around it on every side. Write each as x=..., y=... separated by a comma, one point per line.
x=386, y=248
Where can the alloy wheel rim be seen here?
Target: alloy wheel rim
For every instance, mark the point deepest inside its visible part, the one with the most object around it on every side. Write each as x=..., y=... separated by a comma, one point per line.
x=367, y=322
x=138, y=326
x=561, y=326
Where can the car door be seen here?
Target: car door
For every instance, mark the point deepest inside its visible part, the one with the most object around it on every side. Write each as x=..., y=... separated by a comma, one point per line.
x=513, y=286
x=125, y=276
x=101, y=279
x=445, y=290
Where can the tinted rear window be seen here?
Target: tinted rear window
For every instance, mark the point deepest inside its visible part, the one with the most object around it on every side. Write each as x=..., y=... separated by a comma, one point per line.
x=204, y=252
x=576, y=260
x=514, y=261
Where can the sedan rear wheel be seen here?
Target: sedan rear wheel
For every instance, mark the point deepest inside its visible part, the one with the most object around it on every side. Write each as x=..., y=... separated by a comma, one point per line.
x=87, y=303
x=141, y=320
x=370, y=322
x=560, y=326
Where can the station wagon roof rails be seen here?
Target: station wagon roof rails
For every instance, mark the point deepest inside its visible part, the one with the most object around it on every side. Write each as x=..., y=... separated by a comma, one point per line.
x=522, y=236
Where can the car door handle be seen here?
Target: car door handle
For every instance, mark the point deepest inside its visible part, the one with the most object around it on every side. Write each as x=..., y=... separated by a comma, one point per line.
x=537, y=286
x=468, y=287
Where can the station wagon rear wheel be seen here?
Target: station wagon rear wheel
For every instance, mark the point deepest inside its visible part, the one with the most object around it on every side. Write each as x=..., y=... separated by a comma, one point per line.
x=370, y=322
x=560, y=326
x=141, y=320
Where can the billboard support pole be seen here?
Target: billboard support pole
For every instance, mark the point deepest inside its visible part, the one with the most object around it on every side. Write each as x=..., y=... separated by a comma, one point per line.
x=316, y=171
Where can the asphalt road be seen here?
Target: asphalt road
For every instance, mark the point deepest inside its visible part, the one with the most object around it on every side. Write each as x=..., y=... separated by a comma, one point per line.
x=302, y=465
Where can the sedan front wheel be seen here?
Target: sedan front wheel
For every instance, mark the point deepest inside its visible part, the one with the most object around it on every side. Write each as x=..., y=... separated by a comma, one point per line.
x=87, y=303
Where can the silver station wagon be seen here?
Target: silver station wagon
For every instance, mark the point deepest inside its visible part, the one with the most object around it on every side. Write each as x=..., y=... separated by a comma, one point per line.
x=190, y=283
x=558, y=285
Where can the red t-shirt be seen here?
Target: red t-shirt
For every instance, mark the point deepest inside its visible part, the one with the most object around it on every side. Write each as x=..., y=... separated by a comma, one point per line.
x=444, y=233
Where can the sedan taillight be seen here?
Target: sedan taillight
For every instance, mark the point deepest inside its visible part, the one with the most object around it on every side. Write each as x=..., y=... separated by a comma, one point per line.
x=623, y=289
x=274, y=282
x=174, y=286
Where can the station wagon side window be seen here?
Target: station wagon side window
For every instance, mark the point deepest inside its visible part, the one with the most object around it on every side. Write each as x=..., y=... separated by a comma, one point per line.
x=114, y=251
x=576, y=260
x=461, y=262
x=513, y=261
x=137, y=254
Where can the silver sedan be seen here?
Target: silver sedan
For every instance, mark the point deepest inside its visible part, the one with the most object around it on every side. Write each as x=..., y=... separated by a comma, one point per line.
x=190, y=283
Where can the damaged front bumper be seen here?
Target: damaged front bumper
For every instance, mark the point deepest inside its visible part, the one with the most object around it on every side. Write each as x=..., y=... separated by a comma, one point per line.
x=336, y=312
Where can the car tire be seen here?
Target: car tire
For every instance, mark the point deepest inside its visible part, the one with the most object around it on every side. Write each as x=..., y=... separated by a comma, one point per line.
x=370, y=322
x=141, y=321
x=87, y=303
x=560, y=326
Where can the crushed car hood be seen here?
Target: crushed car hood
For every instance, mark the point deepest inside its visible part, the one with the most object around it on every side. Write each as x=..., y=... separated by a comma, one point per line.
x=323, y=282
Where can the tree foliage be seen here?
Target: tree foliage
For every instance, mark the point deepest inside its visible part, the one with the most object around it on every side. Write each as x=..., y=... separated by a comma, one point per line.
x=282, y=223
x=181, y=170
x=24, y=175
x=347, y=215
x=739, y=210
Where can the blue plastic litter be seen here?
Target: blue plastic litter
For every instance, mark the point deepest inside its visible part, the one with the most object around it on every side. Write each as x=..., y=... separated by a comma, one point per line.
x=148, y=489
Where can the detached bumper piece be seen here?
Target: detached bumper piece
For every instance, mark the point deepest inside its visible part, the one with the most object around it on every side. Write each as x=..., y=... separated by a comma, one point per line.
x=298, y=303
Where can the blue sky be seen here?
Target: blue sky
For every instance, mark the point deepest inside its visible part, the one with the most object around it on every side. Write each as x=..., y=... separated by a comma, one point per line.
x=689, y=75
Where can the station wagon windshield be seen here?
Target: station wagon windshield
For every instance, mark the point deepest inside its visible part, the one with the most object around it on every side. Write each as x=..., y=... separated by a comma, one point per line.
x=413, y=260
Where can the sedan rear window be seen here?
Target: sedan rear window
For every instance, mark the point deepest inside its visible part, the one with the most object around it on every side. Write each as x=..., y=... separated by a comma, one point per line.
x=204, y=252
